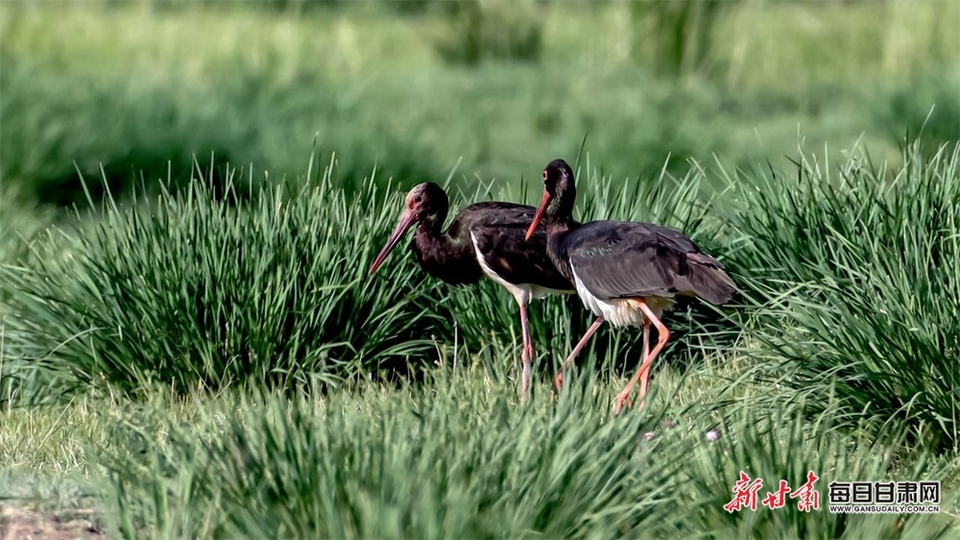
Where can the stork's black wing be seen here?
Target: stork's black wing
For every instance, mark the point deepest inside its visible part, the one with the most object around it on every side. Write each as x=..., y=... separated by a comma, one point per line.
x=619, y=259
x=500, y=229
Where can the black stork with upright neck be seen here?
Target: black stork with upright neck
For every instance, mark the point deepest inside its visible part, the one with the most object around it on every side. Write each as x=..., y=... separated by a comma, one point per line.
x=486, y=238
x=625, y=272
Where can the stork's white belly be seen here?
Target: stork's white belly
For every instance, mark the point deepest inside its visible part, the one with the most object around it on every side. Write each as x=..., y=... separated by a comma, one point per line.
x=523, y=292
x=620, y=311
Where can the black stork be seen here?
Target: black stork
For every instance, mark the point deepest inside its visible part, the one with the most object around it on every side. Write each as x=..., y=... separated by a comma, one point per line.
x=486, y=238
x=627, y=273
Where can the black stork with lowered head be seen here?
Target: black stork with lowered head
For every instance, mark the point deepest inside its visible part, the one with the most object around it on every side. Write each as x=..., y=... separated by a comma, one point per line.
x=625, y=272
x=486, y=238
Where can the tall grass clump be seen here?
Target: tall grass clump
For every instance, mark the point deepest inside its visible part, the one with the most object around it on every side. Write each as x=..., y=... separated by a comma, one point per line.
x=858, y=269
x=204, y=289
x=456, y=460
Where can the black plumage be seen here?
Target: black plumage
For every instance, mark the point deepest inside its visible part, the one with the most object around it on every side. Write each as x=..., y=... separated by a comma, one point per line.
x=495, y=230
x=623, y=259
x=498, y=228
x=626, y=272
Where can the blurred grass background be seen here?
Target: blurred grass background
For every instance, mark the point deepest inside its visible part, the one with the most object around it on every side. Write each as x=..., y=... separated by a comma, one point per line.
x=492, y=87
x=199, y=353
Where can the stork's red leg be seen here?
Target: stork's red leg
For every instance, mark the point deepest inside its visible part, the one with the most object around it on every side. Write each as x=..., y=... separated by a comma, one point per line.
x=624, y=396
x=527, y=350
x=663, y=337
x=576, y=350
x=643, y=374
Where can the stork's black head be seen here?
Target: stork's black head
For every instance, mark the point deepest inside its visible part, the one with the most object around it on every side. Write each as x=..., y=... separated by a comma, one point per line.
x=557, y=177
x=426, y=202
x=559, y=194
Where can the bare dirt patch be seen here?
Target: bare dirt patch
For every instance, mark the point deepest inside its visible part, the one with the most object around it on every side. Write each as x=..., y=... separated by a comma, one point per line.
x=22, y=524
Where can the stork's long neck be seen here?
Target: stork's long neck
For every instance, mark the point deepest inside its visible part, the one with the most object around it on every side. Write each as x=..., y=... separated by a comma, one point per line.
x=447, y=255
x=429, y=238
x=556, y=251
x=558, y=222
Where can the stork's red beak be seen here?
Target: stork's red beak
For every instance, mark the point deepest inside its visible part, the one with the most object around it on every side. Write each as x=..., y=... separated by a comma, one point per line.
x=407, y=219
x=539, y=215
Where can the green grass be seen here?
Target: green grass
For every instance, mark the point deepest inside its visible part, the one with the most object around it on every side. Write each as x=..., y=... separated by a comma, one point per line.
x=211, y=287
x=134, y=89
x=168, y=435
x=377, y=462
x=206, y=290
x=866, y=258
x=201, y=353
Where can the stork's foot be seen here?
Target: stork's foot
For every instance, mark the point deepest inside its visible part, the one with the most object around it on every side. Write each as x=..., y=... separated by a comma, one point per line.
x=623, y=398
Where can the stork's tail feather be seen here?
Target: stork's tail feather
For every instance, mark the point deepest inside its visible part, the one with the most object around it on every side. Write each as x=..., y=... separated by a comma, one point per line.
x=709, y=281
